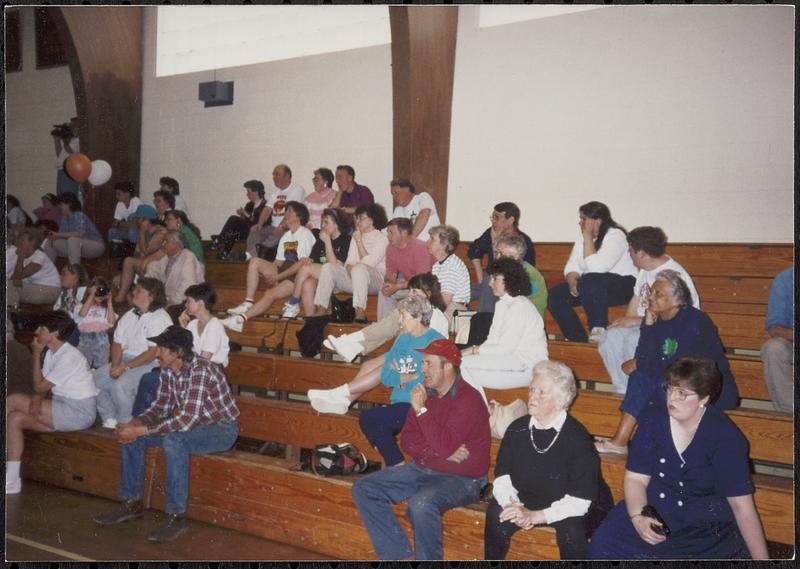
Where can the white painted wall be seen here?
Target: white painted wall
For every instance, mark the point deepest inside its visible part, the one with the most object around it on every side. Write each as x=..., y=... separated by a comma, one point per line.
x=674, y=116
x=308, y=112
x=36, y=99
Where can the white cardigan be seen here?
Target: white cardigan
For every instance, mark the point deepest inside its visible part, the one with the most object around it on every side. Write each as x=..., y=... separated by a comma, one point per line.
x=518, y=329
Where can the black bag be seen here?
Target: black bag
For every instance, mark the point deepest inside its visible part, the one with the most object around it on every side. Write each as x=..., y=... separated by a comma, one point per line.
x=25, y=321
x=336, y=459
x=311, y=335
x=342, y=311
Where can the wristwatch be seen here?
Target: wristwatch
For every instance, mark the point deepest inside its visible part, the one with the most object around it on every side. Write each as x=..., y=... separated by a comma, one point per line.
x=422, y=410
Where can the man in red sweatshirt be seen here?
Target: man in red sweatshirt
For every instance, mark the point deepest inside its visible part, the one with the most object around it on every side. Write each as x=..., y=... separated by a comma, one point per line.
x=447, y=436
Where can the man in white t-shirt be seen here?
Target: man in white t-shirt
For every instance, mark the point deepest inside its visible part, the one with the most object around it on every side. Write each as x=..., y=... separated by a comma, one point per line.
x=618, y=343
x=284, y=191
x=419, y=208
x=122, y=229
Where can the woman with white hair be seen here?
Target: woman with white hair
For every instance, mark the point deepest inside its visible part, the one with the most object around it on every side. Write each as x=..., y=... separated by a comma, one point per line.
x=547, y=470
x=178, y=269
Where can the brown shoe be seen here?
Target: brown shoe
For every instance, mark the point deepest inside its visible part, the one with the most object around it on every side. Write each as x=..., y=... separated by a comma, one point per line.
x=176, y=524
x=129, y=510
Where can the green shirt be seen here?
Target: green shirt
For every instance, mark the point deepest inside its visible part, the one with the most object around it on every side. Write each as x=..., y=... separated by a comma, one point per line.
x=538, y=294
x=194, y=242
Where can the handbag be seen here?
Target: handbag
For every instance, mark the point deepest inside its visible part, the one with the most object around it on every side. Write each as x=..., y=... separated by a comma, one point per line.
x=311, y=335
x=342, y=311
x=501, y=416
x=336, y=459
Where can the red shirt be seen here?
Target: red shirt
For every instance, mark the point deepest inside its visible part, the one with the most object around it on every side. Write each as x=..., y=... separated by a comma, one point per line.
x=460, y=417
x=413, y=260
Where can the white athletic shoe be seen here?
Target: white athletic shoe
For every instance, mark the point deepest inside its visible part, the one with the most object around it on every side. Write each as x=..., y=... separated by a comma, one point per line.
x=290, y=310
x=110, y=423
x=335, y=401
x=346, y=348
x=14, y=486
x=595, y=334
x=234, y=322
x=327, y=343
x=242, y=308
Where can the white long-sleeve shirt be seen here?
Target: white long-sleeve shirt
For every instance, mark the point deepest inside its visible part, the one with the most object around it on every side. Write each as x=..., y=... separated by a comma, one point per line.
x=612, y=257
x=566, y=507
x=517, y=328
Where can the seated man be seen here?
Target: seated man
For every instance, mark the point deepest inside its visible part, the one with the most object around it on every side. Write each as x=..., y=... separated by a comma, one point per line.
x=419, y=208
x=777, y=353
x=350, y=195
x=122, y=229
x=446, y=435
x=647, y=246
x=194, y=413
x=268, y=235
x=178, y=269
x=406, y=257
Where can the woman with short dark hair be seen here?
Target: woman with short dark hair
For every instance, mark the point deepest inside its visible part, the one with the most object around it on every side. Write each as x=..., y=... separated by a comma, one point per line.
x=688, y=464
x=248, y=218
x=77, y=237
x=321, y=198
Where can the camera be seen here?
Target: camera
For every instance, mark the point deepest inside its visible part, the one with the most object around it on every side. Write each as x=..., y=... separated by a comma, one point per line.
x=62, y=130
x=101, y=291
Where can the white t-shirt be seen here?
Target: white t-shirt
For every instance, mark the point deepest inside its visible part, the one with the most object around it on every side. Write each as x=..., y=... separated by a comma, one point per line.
x=417, y=204
x=213, y=339
x=180, y=204
x=277, y=199
x=294, y=246
x=69, y=371
x=612, y=257
x=645, y=280
x=121, y=212
x=132, y=331
x=46, y=276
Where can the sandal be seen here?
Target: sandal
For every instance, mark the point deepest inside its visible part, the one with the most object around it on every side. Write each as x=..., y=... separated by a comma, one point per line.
x=607, y=447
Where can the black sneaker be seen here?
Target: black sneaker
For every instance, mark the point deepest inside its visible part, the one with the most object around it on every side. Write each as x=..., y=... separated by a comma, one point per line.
x=176, y=524
x=129, y=510
x=215, y=242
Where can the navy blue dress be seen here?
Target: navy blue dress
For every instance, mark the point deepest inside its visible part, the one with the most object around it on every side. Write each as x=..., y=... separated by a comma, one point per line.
x=689, y=491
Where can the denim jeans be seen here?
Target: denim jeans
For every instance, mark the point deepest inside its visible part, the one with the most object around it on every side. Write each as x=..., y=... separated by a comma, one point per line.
x=596, y=292
x=641, y=389
x=616, y=346
x=381, y=426
x=202, y=439
x=116, y=397
x=429, y=494
x=147, y=392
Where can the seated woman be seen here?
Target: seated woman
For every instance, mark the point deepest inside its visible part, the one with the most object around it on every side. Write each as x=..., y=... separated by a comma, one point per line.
x=401, y=370
x=30, y=274
x=547, y=471
x=77, y=237
x=48, y=210
x=63, y=371
x=131, y=354
x=689, y=462
x=16, y=217
x=516, y=340
x=294, y=248
x=672, y=327
x=363, y=270
x=320, y=199
x=599, y=273
x=331, y=247
x=451, y=271
x=210, y=340
x=371, y=337
x=248, y=219
x=150, y=238
x=176, y=220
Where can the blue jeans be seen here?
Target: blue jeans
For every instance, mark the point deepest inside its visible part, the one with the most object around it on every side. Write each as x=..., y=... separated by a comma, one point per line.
x=641, y=389
x=381, y=425
x=130, y=234
x=147, y=392
x=177, y=447
x=596, y=292
x=429, y=494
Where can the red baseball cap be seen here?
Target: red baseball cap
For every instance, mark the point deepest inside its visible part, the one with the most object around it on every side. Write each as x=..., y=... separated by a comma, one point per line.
x=444, y=348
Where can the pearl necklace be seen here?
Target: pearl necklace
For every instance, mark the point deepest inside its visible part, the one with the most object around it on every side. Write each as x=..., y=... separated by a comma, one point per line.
x=536, y=448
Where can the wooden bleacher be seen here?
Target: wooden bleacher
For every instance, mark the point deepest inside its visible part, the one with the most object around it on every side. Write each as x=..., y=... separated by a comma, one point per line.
x=265, y=496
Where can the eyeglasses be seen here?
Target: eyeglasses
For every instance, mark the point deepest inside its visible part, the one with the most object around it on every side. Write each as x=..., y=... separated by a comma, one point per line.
x=678, y=392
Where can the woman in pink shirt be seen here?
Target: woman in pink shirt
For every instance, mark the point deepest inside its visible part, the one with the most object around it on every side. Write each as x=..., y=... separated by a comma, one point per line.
x=318, y=200
x=363, y=271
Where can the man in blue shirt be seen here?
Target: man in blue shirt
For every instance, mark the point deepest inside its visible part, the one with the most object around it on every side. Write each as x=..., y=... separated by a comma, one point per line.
x=777, y=353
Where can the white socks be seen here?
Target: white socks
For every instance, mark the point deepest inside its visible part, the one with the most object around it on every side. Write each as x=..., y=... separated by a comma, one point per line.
x=356, y=337
x=12, y=469
x=342, y=391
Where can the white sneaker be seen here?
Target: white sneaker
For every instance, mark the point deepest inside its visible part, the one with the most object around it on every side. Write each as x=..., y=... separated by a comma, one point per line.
x=14, y=486
x=346, y=348
x=235, y=323
x=242, y=308
x=290, y=310
x=110, y=423
x=327, y=343
x=335, y=401
x=595, y=334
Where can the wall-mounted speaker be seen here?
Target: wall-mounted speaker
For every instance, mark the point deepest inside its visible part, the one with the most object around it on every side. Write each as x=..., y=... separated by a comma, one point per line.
x=216, y=93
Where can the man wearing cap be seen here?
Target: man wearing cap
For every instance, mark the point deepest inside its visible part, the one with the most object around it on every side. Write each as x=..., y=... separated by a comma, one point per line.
x=446, y=436
x=194, y=413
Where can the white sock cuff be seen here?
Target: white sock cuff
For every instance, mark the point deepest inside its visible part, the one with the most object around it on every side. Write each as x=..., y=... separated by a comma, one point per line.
x=12, y=470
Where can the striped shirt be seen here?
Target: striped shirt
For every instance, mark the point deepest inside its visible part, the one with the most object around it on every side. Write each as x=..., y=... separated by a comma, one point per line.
x=453, y=277
x=197, y=395
x=77, y=221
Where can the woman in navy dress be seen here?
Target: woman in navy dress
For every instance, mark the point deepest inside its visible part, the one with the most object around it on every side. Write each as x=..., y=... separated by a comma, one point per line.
x=689, y=462
x=671, y=328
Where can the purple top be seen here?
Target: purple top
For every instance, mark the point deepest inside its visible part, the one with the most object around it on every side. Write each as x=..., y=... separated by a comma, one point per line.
x=361, y=195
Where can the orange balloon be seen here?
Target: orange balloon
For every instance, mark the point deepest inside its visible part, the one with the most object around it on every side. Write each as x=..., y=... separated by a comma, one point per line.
x=78, y=166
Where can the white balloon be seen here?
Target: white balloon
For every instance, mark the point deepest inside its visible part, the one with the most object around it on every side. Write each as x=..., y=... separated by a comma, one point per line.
x=101, y=172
